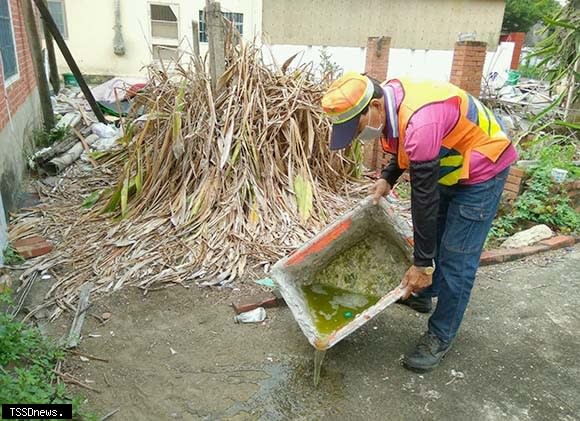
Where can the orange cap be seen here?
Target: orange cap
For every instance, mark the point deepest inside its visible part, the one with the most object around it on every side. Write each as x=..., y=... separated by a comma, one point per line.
x=345, y=99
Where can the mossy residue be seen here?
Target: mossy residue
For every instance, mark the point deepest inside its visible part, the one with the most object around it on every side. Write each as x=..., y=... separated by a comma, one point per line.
x=373, y=266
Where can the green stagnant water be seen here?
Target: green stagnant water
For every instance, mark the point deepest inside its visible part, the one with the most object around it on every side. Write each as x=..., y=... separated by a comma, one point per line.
x=331, y=308
x=353, y=281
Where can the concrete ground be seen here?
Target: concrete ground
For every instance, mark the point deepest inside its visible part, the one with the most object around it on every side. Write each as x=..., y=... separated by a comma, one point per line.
x=177, y=354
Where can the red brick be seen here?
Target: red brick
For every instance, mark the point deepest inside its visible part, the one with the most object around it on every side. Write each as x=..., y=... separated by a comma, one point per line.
x=28, y=241
x=518, y=172
x=514, y=179
x=490, y=257
x=558, y=242
x=514, y=254
x=32, y=247
x=513, y=187
x=250, y=303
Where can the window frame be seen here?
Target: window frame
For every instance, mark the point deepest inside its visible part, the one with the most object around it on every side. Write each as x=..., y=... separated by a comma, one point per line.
x=16, y=76
x=201, y=13
x=64, y=17
x=163, y=40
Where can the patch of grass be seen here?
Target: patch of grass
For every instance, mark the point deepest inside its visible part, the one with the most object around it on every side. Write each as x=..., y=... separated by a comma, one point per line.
x=43, y=138
x=543, y=201
x=27, y=360
x=530, y=71
x=11, y=256
x=403, y=190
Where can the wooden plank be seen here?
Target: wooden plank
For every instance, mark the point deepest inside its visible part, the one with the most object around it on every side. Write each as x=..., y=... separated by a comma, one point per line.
x=74, y=337
x=51, y=25
x=38, y=63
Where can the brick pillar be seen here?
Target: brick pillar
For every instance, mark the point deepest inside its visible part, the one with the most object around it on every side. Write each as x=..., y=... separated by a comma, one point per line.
x=377, y=58
x=518, y=39
x=467, y=68
x=371, y=154
x=376, y=64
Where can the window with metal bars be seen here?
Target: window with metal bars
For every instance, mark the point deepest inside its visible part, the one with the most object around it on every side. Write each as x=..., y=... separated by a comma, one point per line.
x=7, y=45
x=236, y=18
x=57, y=11
x=164, y=22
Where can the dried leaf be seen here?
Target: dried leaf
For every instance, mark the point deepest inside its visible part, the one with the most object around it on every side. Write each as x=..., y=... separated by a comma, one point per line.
x=303, y=191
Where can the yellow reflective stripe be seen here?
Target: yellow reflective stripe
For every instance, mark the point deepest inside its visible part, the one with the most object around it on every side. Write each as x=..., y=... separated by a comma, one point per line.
x=451, y=161
x=482, y=116
x=356, y=108
x=451, y=178
x=487, y=117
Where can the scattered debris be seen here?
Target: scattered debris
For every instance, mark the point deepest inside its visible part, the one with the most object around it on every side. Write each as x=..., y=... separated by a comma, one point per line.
x=68, y=378
x=5, y=283
x=528, y=237
x=254, y=316
x=110, y=414
x=69, y=120
x=74, y=336
x=266, y=282
x=84, y=359
x=206, y=176
x=455, y=375
x=246, y=304
x=56, y=165
x=106, y=316
x=559, y=175
x=428, y=394
x=86, y=356
x=173, y=352
x=118, y=88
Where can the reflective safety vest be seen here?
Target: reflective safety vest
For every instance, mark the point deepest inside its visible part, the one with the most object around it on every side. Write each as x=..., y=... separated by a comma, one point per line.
x=477, y=129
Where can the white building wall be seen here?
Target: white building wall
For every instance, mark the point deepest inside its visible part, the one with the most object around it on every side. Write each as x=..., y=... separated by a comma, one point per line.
x=412, y=63
x=90, y=31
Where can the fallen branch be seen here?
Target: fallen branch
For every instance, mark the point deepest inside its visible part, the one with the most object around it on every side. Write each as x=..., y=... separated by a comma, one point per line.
x=110, y=414
x=82, y=354
x=67, y=378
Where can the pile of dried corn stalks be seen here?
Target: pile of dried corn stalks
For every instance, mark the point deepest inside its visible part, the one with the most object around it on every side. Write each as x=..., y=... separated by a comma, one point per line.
x=209, y=183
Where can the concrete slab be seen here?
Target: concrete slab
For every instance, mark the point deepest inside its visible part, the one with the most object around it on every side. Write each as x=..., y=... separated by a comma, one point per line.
x=518, y=355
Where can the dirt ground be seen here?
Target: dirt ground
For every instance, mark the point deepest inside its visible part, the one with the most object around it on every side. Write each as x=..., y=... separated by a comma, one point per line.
x=177, y=354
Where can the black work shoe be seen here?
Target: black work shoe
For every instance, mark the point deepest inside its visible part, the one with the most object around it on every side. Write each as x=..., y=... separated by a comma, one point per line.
x=419, y=304
x=427, y=354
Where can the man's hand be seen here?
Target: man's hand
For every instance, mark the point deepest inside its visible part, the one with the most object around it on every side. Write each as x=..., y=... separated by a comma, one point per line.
x=414, y=281
x=379, y=189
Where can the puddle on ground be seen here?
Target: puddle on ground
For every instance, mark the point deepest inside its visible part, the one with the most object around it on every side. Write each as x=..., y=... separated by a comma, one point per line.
x=277, y=399
x=332, y=308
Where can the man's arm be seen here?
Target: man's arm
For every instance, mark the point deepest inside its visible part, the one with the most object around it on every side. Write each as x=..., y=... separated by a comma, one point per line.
x=424, y=210
x=392, y=172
